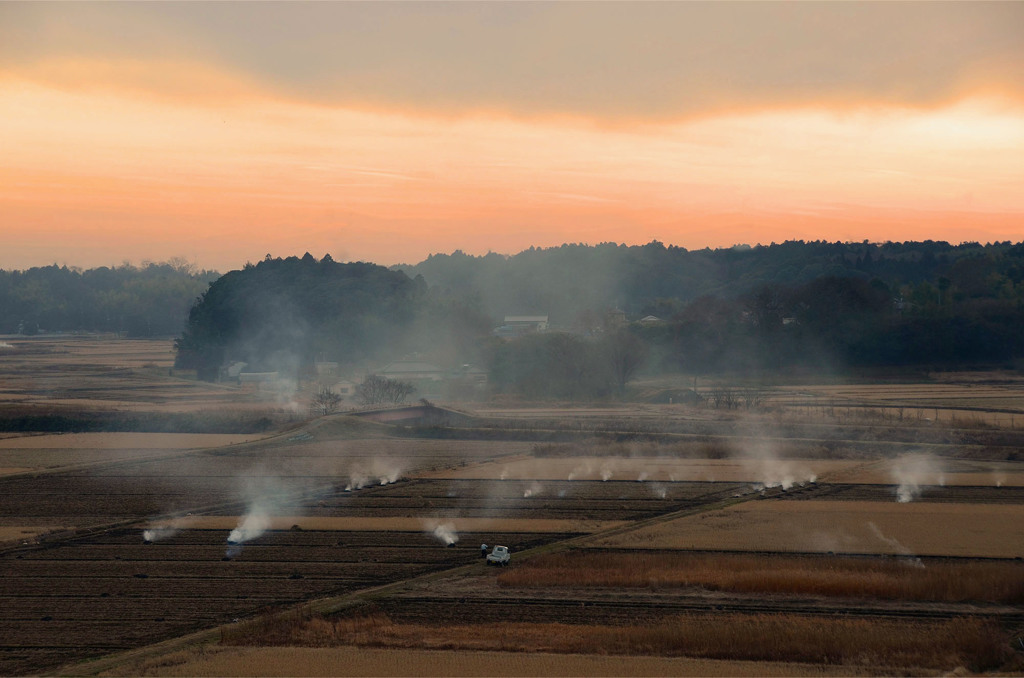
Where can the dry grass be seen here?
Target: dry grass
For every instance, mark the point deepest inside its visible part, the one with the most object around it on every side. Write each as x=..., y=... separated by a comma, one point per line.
x=843, y=527
x=654, y=468
x=20, y=532
x=974, y=643
x=368, y=661
x=821, y=576
x=75, y=442
x=402, y=524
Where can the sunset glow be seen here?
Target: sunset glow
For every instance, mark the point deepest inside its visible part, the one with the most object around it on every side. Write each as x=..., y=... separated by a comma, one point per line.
x=107, y=159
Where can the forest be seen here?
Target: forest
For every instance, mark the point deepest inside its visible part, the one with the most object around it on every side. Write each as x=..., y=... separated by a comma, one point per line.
x=614, y=311
x=136, y=301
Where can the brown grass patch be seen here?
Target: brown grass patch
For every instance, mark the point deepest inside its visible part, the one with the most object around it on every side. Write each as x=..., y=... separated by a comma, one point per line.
x=822, y=576
x=18, y=532
x=842, y=527
x=403, y=524
x=369, y=661
x=652, y=468
x=974, y=643
x=126, y=441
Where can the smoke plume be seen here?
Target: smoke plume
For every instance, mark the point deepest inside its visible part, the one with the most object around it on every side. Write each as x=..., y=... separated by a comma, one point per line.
x=896, y=546
x=266, y=496
x=910, y=471
x=157, y=533
x=444, y=533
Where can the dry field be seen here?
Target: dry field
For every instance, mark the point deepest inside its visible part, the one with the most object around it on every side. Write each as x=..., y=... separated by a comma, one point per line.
x=108, y=373
x=965, y=402
x=24, y=453
x=916, y=528
x=995, y=581
x=101, y=373
x=922, y=470
x=931, y=470
x=655, y=469
x=923, y=645
x=340, y=506
x=396, y=525
x=369, y=661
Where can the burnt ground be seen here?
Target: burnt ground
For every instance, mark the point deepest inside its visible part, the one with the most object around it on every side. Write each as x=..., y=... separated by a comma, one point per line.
x=479, y=598
x=98, y=588
x=89, y=596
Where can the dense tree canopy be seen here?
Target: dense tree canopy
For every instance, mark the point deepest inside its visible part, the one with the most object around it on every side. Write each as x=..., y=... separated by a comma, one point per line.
x=282, y=314
x=151, y=300
x=810, y=305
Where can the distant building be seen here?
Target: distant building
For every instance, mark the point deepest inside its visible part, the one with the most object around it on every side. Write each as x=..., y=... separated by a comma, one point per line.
x=257, y=380
x=471, y=373
x=426, y=377
x=518, y=325
x=412, y=370
x=326, y=369
x=614, y=319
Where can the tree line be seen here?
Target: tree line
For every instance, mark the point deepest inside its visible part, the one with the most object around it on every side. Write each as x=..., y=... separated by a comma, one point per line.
x=140, y=301
x=615, y=311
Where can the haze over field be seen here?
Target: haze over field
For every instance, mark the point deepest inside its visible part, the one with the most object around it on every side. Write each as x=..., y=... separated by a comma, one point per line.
x=388, y=131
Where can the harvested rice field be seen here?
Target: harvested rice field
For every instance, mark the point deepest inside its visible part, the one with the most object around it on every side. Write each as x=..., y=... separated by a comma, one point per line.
x=34, y=453
x=655, y=469
x=364, y=661
x=154, y=544
x=916, y=528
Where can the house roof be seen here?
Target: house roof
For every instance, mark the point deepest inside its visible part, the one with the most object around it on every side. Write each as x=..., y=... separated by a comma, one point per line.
x=404, y=366
x=526, y=319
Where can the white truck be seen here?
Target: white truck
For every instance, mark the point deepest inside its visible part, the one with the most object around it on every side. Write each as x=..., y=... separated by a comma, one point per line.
x=498, y=556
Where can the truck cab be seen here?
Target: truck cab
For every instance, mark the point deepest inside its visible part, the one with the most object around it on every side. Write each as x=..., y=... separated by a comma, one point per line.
x=499, y=556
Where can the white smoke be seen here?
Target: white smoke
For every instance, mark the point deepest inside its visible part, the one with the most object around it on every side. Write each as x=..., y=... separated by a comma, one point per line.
x=896, y=546
x=380, y=472
x=998, y=478
x=266, y=496
x=910, y=471
x=581, y=471
x=386, y=471
x=771, y=471
x=659, y=490
x=534, y=489
x=444, y=532
x=253, y=524
x=642, y=477
x=5, y=345
x=157, y=533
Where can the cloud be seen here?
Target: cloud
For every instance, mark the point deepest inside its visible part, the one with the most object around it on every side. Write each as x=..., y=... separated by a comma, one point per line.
x=599, y=60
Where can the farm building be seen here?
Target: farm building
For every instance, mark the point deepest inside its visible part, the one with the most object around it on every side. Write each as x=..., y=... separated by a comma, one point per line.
x=518, y=325
x=426, y=377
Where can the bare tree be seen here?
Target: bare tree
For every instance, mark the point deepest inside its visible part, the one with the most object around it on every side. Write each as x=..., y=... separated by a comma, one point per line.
x=325, y=402
x=377, y=390
x=625, y=353
x=752, y=398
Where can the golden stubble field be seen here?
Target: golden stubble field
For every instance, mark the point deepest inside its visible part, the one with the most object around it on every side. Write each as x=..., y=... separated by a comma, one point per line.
x=915, y=528
x=142, y=478
x=365, y=661
x=103, y=372
x=771, y=470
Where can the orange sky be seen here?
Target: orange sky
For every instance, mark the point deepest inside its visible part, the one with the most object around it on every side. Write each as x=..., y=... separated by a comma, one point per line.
x=115, y=152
